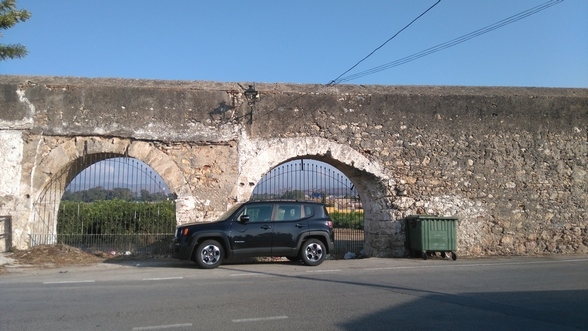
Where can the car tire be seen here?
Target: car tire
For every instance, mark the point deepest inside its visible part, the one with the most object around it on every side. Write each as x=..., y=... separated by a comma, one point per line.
x=313, y=252
x=209, y=254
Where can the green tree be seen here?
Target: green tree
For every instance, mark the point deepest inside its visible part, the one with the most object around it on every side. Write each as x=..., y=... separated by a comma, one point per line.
x=145, y=195
x=10, y=16
x=293, y=195
x=120, y=193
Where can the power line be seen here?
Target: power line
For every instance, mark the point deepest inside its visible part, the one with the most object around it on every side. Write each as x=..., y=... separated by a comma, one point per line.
x=334, y=81
x=450, y=43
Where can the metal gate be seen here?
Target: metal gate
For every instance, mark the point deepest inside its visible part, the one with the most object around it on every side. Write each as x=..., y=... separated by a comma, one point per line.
x=5, y=233
x=317, y=181
x=108, y=203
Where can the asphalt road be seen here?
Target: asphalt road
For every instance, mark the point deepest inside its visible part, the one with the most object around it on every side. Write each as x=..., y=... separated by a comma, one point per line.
x=370, y=294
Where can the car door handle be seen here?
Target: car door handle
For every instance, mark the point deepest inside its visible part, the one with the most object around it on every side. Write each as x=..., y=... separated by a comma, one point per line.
x=265, y=227
x=298, y=225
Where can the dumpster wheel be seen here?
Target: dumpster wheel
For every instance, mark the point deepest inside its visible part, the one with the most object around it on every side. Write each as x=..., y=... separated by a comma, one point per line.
x=446, y=255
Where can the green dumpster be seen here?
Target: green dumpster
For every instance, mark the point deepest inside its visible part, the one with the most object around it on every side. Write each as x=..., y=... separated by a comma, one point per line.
x=429, y=234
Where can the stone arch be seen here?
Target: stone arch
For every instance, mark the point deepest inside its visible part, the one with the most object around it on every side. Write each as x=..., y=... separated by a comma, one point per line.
x=64, y=154
x=55, y=171
x=383, y=238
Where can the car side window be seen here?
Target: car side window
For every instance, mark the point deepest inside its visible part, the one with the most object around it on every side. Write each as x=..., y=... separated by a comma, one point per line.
x=288, y=212
x=308, y=211
x=258, y=213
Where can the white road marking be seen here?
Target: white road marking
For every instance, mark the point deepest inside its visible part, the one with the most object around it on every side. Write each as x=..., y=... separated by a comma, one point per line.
x=332, y=270
x=70, y=282
x=392, y=268
x=159, y=327
x=258, y=319
x=248, y=274
x=163, y=278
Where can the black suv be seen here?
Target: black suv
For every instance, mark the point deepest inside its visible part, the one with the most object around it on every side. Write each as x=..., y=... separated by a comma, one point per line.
x=295, y=229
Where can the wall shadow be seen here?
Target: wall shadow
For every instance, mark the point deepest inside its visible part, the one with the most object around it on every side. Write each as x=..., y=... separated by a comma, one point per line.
x=543, y=310
x=431, y=310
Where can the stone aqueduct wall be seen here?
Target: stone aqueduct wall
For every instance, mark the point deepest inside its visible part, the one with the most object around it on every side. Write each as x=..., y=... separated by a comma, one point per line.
x=510, y=163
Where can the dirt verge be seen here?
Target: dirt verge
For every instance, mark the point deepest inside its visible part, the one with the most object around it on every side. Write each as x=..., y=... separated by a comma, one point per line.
x=52, y=256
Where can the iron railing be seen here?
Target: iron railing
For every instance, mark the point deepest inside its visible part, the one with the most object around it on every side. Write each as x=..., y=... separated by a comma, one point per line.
x=317, y=181
x=104, y=202
x=109, y=203
x=5, y=233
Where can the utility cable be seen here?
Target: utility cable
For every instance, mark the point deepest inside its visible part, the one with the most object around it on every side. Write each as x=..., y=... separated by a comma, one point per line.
x=451, y=43
x=334, y=81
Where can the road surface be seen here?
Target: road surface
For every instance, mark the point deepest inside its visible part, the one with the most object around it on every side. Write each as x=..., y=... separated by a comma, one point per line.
x=517, y=293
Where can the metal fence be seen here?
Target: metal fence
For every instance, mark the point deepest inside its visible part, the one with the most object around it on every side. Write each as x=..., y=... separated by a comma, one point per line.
x=5, y=233
x=317, y=181
x=108, y=203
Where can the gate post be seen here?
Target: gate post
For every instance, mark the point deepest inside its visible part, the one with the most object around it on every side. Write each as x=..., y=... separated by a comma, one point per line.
x=5, y=233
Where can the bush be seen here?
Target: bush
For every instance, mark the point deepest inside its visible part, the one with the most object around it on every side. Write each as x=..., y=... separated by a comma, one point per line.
x=116, y=216
x=347, y=220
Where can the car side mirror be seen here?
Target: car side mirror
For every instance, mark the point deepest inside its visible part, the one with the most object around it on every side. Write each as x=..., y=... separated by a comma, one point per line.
x=244, y=219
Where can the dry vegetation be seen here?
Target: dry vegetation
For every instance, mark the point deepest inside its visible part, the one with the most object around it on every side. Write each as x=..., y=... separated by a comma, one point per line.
x=57, y=254
x=51, y=256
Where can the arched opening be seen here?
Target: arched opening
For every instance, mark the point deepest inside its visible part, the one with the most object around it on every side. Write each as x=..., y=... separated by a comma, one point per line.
x=308, y=179
x=384, y=235
x=106, y=202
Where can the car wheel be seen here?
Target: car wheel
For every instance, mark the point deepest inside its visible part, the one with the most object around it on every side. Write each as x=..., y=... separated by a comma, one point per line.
x=209, y=254
x=313, y=252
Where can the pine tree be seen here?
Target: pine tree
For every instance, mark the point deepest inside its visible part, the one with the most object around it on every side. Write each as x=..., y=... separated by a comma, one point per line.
x=10, y=16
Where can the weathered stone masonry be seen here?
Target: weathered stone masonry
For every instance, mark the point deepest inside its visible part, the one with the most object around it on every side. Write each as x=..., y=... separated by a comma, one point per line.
x=510, y=163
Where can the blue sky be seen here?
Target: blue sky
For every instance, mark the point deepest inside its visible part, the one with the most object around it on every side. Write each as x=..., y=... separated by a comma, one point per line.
x=119, y=172
x=303, y=41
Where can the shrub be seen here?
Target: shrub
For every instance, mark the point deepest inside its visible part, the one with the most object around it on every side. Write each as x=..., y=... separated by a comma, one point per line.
x=116, y=217
x=347, y=220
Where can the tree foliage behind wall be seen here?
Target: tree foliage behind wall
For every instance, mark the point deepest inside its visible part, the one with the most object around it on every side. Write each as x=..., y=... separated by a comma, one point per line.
x=99, y=193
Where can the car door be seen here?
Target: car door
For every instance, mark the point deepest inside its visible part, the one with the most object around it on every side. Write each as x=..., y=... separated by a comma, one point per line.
x=289, y=225
x=253, y=238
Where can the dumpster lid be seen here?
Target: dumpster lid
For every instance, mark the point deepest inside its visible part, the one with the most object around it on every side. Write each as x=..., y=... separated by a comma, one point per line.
x=428, y=217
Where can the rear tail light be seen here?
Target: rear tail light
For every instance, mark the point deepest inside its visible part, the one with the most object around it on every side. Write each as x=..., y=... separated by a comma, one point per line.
x=330, y=224
x=185, y=232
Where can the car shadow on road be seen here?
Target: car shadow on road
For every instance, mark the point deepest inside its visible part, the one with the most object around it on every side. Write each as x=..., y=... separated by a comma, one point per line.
x=166, y=262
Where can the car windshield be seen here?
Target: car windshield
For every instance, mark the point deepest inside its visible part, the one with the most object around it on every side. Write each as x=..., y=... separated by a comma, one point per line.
x=228, y=213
